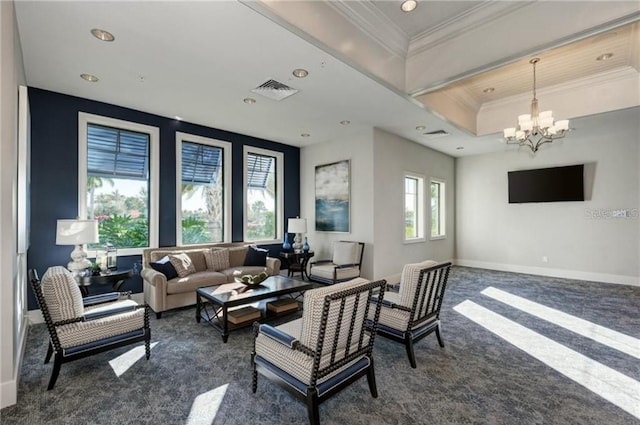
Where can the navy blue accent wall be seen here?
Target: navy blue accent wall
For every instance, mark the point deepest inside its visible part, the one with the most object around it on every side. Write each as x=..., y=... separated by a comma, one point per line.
x=54, y=175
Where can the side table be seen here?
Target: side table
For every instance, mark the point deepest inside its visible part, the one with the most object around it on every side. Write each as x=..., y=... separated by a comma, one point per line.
x=297, y=262
x=116, y=278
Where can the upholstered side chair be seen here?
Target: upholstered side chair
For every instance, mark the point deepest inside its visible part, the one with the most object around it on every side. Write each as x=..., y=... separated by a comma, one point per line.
x=344, y=265
x=79, y=327
x=327, y=349
x=413, y=312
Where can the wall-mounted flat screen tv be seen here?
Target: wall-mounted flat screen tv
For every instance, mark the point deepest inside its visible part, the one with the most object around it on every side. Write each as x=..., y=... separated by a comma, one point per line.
x=557, y=184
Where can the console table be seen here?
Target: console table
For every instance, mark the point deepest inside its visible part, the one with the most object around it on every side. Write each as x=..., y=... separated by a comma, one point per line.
x=297, y=262
x=115, y=278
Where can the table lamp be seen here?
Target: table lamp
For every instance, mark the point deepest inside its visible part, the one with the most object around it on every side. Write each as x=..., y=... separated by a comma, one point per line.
x=298, y=226
x=77, y=232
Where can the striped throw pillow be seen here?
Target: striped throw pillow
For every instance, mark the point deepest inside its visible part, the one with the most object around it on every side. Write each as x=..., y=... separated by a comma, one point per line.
x=183, y=264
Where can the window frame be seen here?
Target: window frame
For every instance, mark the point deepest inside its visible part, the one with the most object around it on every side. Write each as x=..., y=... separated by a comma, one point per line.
x=84, y=119
x=442, y=210
x=279, y=156
x=420, y=208
x=226, y=176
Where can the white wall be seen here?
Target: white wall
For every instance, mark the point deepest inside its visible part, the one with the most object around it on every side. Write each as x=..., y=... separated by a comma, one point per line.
x=357, y=147
x=12, y=323
x=393, y=157
x=492, y=233
x=378, y=163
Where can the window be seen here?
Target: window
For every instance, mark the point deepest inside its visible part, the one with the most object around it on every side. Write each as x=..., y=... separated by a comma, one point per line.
x=118, y=181
x=438, y=229
x=203, y=177
x=263, y=194
x=413, y=208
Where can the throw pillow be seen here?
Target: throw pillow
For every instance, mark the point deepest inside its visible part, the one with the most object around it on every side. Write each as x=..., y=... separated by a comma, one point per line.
x=165, y=267
x=183, y=264
x=256, y=256
x=217, y=259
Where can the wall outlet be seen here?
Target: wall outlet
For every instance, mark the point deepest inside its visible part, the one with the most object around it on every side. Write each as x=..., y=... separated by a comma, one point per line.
x=545, y=259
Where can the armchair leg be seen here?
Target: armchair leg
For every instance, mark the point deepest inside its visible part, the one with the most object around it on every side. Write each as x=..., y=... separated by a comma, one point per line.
x=371, y=380
x=49, y=353
x=254, y=380
x=312, y=406
x=408, y=341
x=57, y=362
x=158, y=315
x=439, y=336
x=147, y=344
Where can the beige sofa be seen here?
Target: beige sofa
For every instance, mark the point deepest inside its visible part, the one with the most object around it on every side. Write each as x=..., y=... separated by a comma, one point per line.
x=162, y=294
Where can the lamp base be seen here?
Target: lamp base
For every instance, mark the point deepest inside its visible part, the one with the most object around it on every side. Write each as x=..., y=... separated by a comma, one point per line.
x=79, y=261
x=297, y=243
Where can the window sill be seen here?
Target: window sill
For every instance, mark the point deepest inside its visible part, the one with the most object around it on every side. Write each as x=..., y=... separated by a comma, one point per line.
x=414, y=240
x=437, y=238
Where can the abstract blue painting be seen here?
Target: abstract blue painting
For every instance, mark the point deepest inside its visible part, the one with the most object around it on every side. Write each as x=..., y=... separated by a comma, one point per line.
x=332, y=197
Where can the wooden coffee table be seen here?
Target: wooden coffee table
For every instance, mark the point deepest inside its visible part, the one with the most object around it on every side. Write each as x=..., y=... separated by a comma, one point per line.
x=214, y=302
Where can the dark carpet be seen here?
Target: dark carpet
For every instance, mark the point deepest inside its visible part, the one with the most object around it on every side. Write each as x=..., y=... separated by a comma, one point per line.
x=478, y=378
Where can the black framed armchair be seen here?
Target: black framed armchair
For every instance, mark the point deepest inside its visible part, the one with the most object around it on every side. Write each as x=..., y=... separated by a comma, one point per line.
x=79, y=327
x=327, y=349
x=344, y=265
x=413, y=312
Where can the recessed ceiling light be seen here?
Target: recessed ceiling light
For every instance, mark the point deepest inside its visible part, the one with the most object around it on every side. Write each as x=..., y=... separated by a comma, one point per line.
x=178, y=118
x=102, y=34
x=421, y=127
x=489, y=90
x=408, y=5
x=345, y=122
x=459, y=148
x=89, y=77
x=249, y=100
x=300, y=73
x=305, y=135
x=604, y=57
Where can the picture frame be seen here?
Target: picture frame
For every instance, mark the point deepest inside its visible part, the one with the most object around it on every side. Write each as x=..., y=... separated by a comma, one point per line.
x=333, y=197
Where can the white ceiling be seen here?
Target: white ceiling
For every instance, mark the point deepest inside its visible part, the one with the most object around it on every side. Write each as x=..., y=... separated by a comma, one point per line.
x=199, y=60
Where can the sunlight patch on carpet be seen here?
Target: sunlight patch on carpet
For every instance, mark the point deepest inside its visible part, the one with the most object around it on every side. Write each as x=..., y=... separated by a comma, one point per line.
x=205, y=406
x=608, y=383
x=616, y=340
x=123, y=362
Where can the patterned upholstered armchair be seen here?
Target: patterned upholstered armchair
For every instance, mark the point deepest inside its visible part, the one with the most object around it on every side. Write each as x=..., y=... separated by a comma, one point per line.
x=79, y=327
x=327, y=349
x=345, y=264
x=414, y=312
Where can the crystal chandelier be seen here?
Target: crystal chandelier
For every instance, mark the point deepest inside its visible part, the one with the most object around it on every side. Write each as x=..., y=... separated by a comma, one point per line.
x=536, y=129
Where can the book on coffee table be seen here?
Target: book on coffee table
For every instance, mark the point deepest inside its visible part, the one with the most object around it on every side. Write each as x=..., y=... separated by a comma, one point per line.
x=282, y=305
x=243, y=314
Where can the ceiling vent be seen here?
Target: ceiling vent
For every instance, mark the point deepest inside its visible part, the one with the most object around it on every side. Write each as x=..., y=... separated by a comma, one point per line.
x=436, y=134
x=275, y=90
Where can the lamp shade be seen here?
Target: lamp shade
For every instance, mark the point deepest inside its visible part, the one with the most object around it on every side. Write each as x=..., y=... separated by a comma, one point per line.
x=76, y=232
x=297, y=225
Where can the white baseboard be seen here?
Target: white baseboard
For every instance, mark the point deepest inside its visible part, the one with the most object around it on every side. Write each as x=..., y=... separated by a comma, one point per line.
x=542, y=271
x=9, y=389
x=35, y=316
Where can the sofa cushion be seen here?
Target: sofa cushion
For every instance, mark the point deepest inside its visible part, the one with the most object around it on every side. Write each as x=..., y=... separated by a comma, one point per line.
x=183, y=264
x=198, y=259
x=217, y=259
x=237, y=256
x=256, y=256
x=165, y=267
x=194, y=281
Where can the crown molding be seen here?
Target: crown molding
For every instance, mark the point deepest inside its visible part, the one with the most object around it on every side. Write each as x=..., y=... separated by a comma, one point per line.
x=477, y=16
x=365, y=16
x=624, y=73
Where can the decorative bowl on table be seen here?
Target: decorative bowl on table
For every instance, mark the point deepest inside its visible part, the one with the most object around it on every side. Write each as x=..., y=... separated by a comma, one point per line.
x=252, y=280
